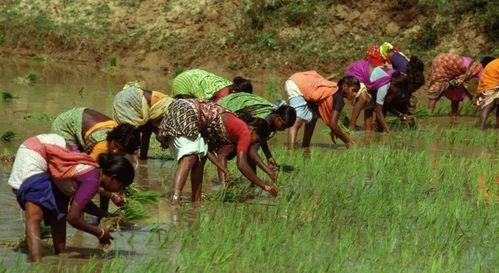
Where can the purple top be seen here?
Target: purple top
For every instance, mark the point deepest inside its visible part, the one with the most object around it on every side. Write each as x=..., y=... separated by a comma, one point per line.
x=360, y=70
x=88, y=185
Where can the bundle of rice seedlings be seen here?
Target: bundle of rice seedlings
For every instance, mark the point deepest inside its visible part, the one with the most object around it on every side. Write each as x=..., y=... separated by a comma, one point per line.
x=237, y=191
x=134, y=208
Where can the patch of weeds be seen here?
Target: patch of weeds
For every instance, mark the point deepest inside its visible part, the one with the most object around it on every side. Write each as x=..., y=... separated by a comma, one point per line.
x=272, y=91
x=429, y=36
x=39, y=116
x=8, y=136
x=266, y=40
x=30, y=78
x=168, y=7
x=179, y=69
x=7, y=96
x=130, y=3
x=111, y=65
x=41, y=59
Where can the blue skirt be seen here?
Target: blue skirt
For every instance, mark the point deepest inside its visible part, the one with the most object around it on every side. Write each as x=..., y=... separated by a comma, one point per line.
x=39, y=189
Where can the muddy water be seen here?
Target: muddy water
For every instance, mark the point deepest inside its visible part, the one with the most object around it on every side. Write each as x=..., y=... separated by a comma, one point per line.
x=63, y=86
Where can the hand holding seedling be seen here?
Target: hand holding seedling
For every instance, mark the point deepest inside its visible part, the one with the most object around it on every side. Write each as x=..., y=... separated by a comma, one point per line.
x=118, y=199
x=105, y=237
x=270, y=189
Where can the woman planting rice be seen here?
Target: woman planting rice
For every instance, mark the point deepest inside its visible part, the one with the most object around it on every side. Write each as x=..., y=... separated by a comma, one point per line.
x=379, y=86
x=191, y=128
x=46, y=177
x=307, y=91
x=141, y=108
x=488, y=92
x=248, y=106
x=94, y=133
x=387, y=56
x=201, y=84
x=448, y=73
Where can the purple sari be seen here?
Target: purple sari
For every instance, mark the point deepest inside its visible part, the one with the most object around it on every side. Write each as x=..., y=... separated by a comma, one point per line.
x=360, y=70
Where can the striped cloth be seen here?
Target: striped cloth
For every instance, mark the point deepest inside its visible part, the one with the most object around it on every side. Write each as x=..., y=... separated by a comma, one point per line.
x=198, y=83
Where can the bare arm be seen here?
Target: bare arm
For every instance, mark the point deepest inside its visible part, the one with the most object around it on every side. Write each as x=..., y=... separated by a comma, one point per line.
x=75, y=218
x=253, y=154
x=268, y=153
x=145, y=139
x=244, y=167
x=357, y=108
x=92, y=209
x=221, y=164
x=333, y=125
x=381, y=117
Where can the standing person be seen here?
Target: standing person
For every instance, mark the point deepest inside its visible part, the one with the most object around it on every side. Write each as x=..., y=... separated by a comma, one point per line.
x=46, y=177
x=141, y=108
x=488, y=91
x=191, y=128
x=201, y=84
x=94, y=133
x=248, y=106
x=307, y=91
x=449, y=71
x=379, y=85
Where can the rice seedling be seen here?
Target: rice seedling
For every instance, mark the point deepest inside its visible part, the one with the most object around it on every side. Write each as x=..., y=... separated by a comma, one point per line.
x=29, y=78
x=8, y=136
x=39, y=116
x=111, y=65
x=239, y=191
x=7, y=96
x=134, y=208
x=41, y=59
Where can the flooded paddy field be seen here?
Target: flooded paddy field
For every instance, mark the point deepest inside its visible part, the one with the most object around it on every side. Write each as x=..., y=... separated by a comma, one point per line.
x=420, y=200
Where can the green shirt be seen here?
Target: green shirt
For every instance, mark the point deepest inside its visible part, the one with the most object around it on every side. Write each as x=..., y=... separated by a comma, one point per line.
x=255, y=105
x=198, y=83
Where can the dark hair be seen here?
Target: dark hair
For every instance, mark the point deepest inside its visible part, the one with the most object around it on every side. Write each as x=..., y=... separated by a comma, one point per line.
x=261, y=127
x=399, y=80
x=349, y=81
x=240, y=84
x=117, y=166
x=127, y=136
x=287, y=114
x=415, y=75
x=486, y=60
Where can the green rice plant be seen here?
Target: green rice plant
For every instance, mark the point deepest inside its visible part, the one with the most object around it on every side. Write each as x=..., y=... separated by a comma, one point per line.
x=39, y=116
x=271, y=92
x=235, y=192
x=28, y=79
x=41, y=59
x=8, y=136
x=7, y=96
x=111, y=66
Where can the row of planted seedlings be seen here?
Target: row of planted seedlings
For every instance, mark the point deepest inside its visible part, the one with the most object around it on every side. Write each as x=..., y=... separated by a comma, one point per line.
x=375, y=208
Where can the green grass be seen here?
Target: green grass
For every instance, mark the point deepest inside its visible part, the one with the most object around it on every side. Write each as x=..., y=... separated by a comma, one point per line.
x=410, y=202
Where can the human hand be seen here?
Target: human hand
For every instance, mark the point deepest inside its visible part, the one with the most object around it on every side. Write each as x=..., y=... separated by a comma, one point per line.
x=349, y=144
x=272, y=162
x=118, y=199
x=105, y=238
x=270, y=189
